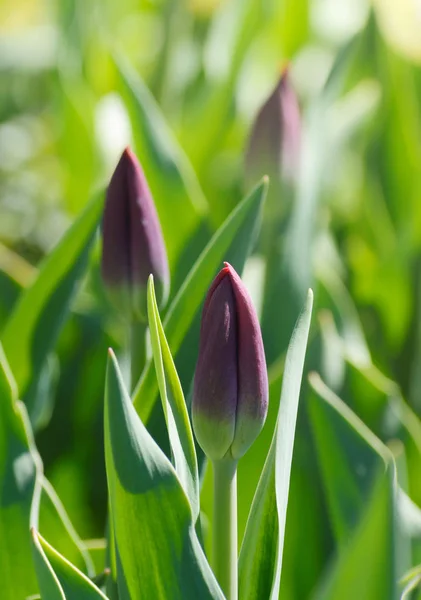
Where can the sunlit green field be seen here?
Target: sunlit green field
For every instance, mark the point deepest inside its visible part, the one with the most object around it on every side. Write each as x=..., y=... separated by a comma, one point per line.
x=181, y=82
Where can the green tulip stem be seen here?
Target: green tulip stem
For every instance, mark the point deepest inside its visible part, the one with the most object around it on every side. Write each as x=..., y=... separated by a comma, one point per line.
x=225, y=526
x=137, y=351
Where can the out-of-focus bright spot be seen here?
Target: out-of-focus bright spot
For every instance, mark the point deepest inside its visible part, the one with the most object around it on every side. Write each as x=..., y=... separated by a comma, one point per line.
x=30, y=49
x=310, y=70
x=354, y=110
x=112, y=128
x=337, y=21
x=184, y=66
x=253, y=278
x=400, y=22
x=142, y=35
x=220, y=45
x=203, y=8
x=258, y=76
x=16, y=146
x=18, y=14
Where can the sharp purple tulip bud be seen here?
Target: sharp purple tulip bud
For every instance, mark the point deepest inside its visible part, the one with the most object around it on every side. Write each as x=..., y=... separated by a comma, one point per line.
x=230, y=396
x=274, y=144
x=133, y=245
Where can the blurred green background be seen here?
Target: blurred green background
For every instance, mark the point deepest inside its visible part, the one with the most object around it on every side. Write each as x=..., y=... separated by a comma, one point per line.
x=71, y=99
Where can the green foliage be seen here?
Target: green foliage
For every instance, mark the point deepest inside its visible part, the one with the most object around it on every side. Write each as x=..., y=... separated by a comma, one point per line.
x=18, y=468
x=329, y=496
x=262, y=548
x=148, y=503
x=57, y=577
x=33, y=328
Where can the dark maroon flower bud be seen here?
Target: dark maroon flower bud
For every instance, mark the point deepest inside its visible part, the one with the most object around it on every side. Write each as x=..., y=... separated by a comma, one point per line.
x=274, y=144
x=133, y=246
x=230, y=395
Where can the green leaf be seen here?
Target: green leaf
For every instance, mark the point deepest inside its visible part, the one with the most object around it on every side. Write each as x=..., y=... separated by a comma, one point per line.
x=58, y=578
x=360, y=481
x=261, y=552
x=173, y=183
x=48, y=580
x=20, y=469
x=366, y=567
x=412, y=579
x=35, y=323
x=97, y=549
x=149, y=506
x=349, y=472
x=175, y=409
x=231, y=242
x=54, y=523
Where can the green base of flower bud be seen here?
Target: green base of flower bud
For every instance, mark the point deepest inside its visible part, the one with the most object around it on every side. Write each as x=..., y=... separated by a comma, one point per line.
x=214, y=435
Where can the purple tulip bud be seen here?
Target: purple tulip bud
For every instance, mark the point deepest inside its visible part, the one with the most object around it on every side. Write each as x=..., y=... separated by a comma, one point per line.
x=230, y=395
x=274, y=144
x=133, y=246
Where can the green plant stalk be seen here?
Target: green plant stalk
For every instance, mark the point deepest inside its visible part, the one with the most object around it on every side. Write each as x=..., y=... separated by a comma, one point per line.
x=137, y=351
x=224, y=534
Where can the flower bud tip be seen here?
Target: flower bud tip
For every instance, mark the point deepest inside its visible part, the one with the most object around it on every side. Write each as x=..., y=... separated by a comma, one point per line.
x=230, y=394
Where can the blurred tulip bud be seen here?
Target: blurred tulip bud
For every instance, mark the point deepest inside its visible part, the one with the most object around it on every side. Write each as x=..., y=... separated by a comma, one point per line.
x=133, y=246
x=274, y=143
x=230, y=395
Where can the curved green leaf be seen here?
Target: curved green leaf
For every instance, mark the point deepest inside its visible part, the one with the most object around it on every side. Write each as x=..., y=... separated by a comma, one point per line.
x=34, y=325
x=359, y=476
x=54, y=523
x=178, y=424
x=231, y=242
x=350, y=471
x=58, y=578
x=261, y=552
x=366, y=567
x=149, y=507
x=20, y=469
x=48, y=581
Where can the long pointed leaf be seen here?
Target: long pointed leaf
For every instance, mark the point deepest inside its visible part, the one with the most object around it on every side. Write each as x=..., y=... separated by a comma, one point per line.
x=261, y=552
x=20, y=470
x=58, y=578
x=149, y=507
x=32, y=330
x=360, y=480
x=175, y=409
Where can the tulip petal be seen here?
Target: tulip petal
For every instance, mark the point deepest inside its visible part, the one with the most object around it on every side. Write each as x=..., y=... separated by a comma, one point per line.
x=215, y=382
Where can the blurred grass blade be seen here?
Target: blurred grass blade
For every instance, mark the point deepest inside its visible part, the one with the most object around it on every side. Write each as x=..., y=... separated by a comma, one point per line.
x=412, y=581
x=232, y=32
x=350, y=471
x=231, y=242
x=35, y=323
x=360, y=481
x=292, y=272
x=346, y=315
x=261, y=552
x=57, y=577
x=366, y=567
x=20, y=470
x=148, y=504
x=54, y=523
x=175, y=409
x=173, y=183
